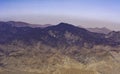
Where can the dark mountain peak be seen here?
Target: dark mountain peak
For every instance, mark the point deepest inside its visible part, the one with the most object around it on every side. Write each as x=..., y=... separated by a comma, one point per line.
x=69, y=27
x=62, y=23
x=60, y=27
x=65, y=25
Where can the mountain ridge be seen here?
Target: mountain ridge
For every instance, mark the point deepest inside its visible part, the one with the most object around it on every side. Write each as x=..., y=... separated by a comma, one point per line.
x=58, y=49
x=81, y=34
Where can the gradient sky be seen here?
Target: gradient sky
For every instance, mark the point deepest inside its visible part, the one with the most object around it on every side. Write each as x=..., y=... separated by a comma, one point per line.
x=87, y=13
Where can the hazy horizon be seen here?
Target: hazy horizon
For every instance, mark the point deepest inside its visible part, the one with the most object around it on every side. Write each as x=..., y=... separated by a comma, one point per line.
x=86, y=13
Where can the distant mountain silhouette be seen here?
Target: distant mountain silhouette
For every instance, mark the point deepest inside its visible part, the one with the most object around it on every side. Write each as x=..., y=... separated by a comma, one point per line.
x=23, y=24
x=99, y=30
x=18, y=24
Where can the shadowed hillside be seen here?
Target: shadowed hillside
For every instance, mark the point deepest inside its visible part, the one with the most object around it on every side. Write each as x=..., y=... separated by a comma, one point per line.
x=58, y=49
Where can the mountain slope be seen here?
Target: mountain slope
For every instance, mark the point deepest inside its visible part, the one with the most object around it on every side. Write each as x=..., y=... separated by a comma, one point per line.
x=57, y=49
x=62, y=33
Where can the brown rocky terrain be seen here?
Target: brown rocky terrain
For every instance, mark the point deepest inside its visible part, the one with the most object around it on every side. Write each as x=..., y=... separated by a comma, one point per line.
x=61, y=49
x=43, y=59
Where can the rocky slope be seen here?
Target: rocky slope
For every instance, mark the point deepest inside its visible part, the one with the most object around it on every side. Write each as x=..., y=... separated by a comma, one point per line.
x=59, y=49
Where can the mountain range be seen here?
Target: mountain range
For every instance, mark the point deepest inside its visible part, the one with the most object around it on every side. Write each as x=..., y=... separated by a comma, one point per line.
x=57, y=49
x=99, y=30
x=62, y=33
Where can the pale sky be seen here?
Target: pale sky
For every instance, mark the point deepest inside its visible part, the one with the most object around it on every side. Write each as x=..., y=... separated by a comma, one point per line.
x=87, y=13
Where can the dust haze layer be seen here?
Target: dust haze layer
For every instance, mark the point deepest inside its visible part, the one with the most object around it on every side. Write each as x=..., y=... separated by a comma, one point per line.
x=79, y=12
